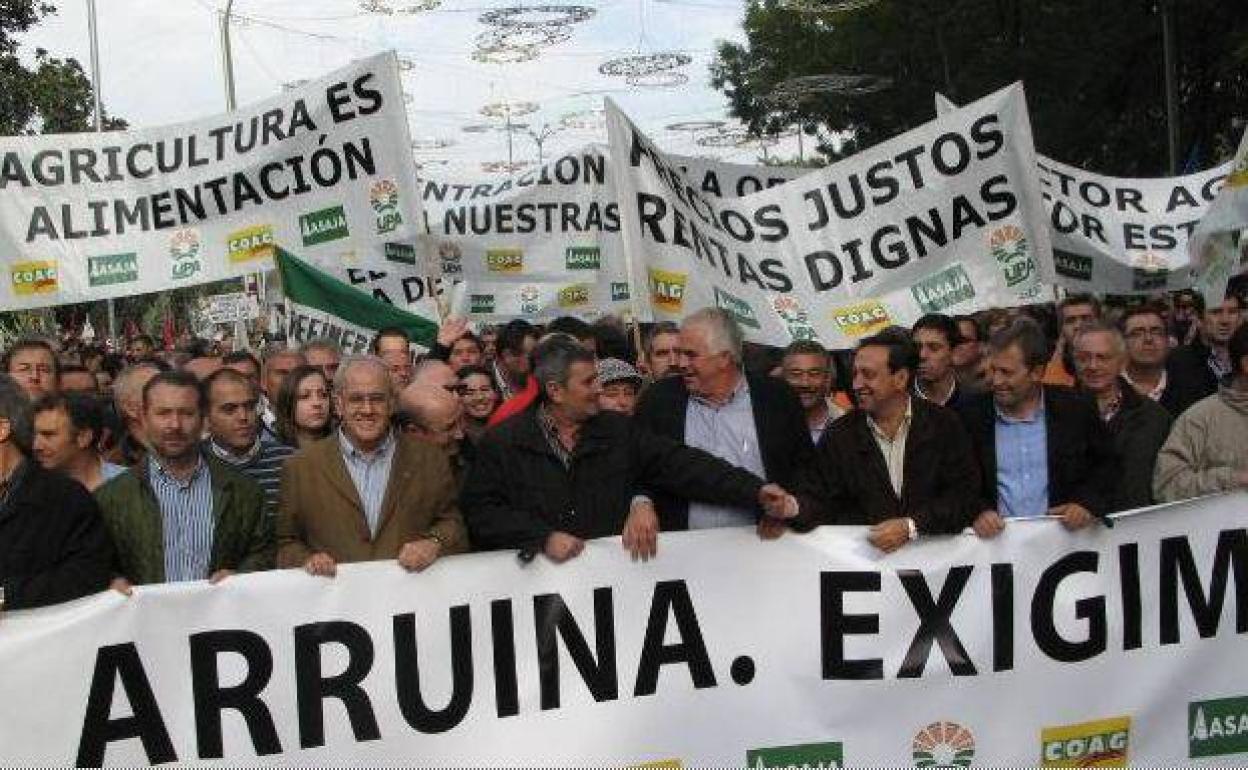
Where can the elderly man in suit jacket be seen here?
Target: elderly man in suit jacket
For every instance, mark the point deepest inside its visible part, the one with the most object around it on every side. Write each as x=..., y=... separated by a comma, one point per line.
x=755, y=423
x=367, y=492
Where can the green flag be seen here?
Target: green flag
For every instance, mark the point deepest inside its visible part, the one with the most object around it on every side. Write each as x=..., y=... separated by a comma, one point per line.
x=322, y=306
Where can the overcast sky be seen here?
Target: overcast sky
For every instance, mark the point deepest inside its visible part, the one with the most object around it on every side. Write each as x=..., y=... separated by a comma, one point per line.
x=160, y=62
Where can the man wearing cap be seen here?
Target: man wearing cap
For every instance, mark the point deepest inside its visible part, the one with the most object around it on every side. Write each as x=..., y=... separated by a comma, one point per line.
x=621, y=383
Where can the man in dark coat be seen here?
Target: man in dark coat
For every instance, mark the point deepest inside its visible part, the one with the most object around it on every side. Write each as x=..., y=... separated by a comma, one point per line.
x=755, y=423
x=562, y=472
x=1042, y=450
x=1194, y=371
x=53, y=544
x=898, y=462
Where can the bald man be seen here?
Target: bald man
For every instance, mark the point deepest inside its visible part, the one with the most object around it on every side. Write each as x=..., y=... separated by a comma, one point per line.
x=434, y=415
x=431, y=372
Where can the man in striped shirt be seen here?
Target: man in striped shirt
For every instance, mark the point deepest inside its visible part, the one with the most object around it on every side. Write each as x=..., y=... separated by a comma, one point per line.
x=182, y=514
x=234, y=433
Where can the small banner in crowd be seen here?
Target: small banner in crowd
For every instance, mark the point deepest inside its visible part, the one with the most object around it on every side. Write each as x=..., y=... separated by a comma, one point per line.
x=323, y=307
x=946, y=217
x=1220, y=243
x=1106, y=647
x=95, y=215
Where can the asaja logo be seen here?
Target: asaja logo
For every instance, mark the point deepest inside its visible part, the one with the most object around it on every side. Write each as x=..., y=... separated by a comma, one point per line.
x=384, y=197
x=1008, y=245
x=251, y=243
x=943, y=744
x=861, y=319
x=34, y=277
x=402, y=253
x=451, y=257
x=806, y=755
x=1102, y=743
x=323, y=226
x=943, y=290
x=620, y=291
x=736, y=307
x=795, y=318
x=504, y=260
x=576, y=295
x=667, y=290
x=1217, y=727
x=1072, y=265
x=530, y=300
x=583, y=257
x=481, y=303
x=109, y=269
x=184, y=248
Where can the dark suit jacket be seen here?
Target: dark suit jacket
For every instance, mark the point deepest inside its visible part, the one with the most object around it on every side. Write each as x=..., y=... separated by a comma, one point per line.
x=53, y=544
x=1138, y=431
x=1081, y=462
x=1188, y=377
x=320, y=510
x=847, y=483
x=784, y=438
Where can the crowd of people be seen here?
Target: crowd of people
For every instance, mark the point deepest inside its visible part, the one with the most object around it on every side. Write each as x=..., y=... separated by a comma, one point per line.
x=161, y=466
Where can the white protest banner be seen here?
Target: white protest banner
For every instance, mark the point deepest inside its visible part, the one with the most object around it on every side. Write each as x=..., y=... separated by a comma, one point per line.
x=1102, y=647
x=94, y=215
x=1116, y=235
x=1220, y=244
x=228, y=308
x=947, y=217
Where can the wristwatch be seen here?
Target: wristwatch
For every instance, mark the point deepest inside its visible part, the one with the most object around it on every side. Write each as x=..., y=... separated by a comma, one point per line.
x=434, y=537
x=914, y=530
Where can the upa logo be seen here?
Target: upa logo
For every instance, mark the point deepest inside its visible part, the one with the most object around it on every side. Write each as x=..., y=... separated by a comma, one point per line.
x=530, y=300
x=323, y=226
x=504, y=260
x=795, y=318
x=583, y=257
x=31, y=278
x=383, y=195
x=736, y=307
x=1008, y=245
x=481, y=303
x=451, y=257
x=943, y=744
x=184, y=249
x=251, y=243
x=576, y=295
x=620, y=291
x=1072, y=265
x=109, y=269
x=806, y=755
x=1102, y=743
x=947, y=288
x=1216, y=728
x=667, y=290
x=861, y=319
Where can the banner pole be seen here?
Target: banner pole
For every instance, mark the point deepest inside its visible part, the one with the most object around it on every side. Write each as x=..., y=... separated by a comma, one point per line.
x=97, y=108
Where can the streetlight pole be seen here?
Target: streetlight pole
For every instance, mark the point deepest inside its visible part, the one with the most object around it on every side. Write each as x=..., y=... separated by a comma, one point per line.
x=1170, y=57
x=97, y=108
x=227, y=57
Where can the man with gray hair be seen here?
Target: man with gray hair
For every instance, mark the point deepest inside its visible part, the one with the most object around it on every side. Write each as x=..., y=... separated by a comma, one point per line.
x=367, y=492
x=324, y=354
x=53, y=544
x=128, y=397
x=754, y=423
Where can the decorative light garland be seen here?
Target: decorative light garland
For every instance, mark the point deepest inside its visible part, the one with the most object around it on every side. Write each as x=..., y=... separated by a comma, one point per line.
x=432, y=143
x=643, y=64
x=522, y=37
x=664, y=79
x=504, y=55
x=825, y=6
x=502, y=110
x=693, y=126
x=515, y=16
x=584, y=120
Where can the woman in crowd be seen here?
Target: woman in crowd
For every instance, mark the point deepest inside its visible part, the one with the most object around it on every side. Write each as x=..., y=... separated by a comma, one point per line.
x=480, y=397
x=302, y=407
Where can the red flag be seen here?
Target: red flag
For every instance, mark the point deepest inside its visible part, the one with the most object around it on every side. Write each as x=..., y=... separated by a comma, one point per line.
x=168, y=334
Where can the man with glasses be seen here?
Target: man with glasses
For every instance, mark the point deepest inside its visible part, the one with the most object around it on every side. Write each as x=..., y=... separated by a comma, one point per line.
x=808, y=368
x=1148, y=344
x=367, y=493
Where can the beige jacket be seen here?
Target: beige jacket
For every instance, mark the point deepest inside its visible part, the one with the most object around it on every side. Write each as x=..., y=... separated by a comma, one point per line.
x=1206, y=450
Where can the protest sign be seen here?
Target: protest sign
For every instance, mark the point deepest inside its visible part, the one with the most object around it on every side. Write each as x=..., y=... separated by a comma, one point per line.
x=228, y=308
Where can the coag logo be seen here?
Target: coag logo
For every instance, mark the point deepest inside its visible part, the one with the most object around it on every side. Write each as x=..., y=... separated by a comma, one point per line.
x=34, y=277
x=109, y=269
x=504, y=260
x=1102, y=743
x=252, y=243
x=795, y=318
x=184, y=248
x=861, y=319
x=806, y=755
x=667, y=290
x=736, y=307
x=481, y=303
x=943, y=744
x=384, y=197
x=1008, y=245
x=620, y=291
x=323, y=226
x=1217, y=727
x=1072, y=265
x=583, y=257
x=402, y=253
x=660, y=764
x=576, y=295
x=943, y=290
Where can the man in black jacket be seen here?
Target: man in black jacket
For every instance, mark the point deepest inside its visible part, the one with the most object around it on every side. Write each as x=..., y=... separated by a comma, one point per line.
x=1042, y=450
x=755, y=423
x=898, y=462
x=53, y=544
x=562, y=472
x=1195, y=371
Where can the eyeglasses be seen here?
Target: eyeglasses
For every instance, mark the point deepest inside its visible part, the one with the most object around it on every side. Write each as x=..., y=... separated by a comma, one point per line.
x=357, y=400
x=1139, y=334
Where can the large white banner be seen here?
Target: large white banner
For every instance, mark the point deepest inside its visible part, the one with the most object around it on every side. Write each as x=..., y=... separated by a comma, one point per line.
x=946, y=217
x=1105, y=646
x=324, y=170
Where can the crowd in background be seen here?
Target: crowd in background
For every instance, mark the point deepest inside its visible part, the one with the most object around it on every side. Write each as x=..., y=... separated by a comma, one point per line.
x=162, y=465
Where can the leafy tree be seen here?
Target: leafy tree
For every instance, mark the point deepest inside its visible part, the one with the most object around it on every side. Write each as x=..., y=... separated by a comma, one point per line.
x=1093, y=72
